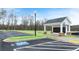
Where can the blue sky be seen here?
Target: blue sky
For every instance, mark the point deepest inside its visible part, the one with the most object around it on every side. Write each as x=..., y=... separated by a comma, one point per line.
x=50, y=13
x=45, y=12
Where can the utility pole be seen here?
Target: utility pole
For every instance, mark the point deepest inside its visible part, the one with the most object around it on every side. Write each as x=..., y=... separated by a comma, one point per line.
x=35, y=22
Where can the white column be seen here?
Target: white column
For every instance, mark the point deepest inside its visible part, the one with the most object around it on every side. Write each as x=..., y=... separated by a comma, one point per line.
x=44, y=28
x=69, y=28
x=52, y=28
x=65, y=29
x=61, y=28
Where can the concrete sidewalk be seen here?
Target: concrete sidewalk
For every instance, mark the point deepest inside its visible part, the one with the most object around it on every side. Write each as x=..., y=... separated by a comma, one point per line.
x=71, y=39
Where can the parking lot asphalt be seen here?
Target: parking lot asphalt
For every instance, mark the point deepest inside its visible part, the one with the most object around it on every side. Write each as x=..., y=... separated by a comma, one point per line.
x=4, y=35
x=45, y=44
x=4, y=46
x=50, y=46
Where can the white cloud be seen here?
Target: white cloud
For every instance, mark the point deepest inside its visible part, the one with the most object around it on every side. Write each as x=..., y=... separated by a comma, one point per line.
x=19, y=19
x=74, y=16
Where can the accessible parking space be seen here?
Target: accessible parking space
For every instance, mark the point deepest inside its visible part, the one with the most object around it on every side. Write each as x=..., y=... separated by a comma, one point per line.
x=50, y=46
x=9, y=46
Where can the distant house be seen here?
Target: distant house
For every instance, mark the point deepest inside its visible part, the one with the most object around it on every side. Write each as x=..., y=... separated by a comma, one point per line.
x=59, y=25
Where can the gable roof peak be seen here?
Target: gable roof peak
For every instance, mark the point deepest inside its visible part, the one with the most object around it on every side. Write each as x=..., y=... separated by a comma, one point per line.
x=56, y=20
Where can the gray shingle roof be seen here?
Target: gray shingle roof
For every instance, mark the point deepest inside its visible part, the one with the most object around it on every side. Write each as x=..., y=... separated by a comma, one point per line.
x=56, y=20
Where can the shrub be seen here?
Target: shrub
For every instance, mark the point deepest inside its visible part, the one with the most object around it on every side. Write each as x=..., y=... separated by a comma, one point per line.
x=45, y=32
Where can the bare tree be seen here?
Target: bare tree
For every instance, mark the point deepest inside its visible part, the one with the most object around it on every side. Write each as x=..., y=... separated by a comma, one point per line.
x=30, y=18
x=41, y=24
x=8, y=23
x=15, y=22
x=2, y=16
x=38, y=24
x=12, y=19
x=24, y=22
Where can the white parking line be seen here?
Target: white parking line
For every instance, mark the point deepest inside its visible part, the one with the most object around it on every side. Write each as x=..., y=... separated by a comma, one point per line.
x=58, y=46
x=31, y=45
x=49, y=48
x=56, y=43
x=52, y=42
x=76, y=49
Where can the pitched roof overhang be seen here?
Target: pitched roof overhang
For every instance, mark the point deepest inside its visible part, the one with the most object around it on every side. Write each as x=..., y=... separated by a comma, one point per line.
x=56, y=20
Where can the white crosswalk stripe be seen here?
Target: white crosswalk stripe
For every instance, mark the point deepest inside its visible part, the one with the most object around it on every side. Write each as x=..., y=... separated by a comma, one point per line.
x=51, y=46
x=76, y=49
x=60, y=46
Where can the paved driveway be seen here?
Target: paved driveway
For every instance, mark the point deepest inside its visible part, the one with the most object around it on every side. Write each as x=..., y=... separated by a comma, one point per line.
x=5, y=35
x=50, y=46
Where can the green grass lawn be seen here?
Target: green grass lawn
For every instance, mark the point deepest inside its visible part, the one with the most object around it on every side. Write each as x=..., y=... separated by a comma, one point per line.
x=40, y=34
